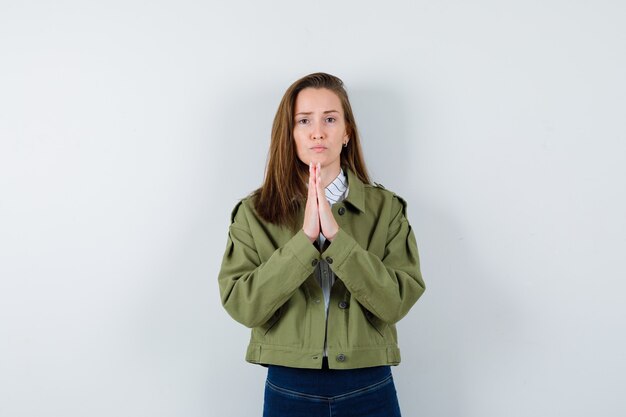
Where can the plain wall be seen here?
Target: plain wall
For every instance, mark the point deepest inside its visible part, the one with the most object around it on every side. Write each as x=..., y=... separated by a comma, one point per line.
x=128, y=130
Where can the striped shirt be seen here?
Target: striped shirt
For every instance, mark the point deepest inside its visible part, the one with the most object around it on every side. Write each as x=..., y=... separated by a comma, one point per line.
x=335, y=192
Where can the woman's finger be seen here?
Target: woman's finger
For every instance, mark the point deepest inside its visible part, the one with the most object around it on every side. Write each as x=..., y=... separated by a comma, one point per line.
x=321, y=193
x=311, y=223
x=311, y=177
x=328, y=224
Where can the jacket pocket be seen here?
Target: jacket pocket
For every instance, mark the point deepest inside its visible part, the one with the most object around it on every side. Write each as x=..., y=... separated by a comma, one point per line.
x=376, y=323
x=265, y=328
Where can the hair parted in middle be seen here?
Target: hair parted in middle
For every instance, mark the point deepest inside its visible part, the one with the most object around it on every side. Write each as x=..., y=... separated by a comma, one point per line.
x=284, y=188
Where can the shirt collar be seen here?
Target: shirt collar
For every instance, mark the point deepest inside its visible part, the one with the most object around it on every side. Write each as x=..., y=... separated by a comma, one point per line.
x=356, y=193
x=336, y=190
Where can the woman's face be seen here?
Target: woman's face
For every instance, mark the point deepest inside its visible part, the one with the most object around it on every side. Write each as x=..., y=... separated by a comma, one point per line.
x=319, y=127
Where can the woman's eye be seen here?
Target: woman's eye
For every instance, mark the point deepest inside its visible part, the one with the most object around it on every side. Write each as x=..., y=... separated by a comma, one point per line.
x=331, y=119
x=303, y=121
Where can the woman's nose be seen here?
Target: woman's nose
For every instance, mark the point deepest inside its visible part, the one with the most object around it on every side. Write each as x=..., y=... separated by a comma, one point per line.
x=318, y=132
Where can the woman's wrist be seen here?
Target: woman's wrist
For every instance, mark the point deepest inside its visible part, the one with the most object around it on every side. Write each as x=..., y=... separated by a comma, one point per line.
x=331, y=238
x=312, y=239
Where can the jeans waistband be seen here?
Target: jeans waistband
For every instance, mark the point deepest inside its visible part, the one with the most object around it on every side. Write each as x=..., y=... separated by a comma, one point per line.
x=325, y=382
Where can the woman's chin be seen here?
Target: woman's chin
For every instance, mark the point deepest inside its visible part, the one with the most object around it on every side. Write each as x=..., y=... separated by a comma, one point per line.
x=315, y=159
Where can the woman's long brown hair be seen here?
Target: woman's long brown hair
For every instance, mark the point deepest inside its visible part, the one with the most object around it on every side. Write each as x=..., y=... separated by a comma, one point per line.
x=284, y=189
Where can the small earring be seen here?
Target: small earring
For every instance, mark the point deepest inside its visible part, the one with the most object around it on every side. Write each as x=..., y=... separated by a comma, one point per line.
x=345, y=144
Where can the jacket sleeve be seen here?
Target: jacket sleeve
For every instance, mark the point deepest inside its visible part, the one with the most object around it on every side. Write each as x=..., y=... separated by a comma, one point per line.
x=387, y=287
x=251, y=290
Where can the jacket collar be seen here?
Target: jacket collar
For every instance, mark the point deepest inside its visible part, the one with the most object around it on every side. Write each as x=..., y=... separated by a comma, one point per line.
x=356, y=195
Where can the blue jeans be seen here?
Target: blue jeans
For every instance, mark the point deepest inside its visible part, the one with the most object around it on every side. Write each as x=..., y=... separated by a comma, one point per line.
x=295, y=392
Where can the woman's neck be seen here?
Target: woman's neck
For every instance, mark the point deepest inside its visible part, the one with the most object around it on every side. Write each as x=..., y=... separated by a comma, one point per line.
x=329, y=174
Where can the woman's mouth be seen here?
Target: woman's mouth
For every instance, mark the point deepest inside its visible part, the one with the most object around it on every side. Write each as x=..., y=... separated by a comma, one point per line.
x=318, y=149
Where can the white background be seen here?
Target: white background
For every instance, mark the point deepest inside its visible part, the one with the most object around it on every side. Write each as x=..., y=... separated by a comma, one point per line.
x=129, y=129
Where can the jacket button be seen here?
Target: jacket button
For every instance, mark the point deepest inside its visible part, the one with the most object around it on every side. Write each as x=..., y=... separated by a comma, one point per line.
x=342, y=210
x=343, y=304
x=341, y=357
x=314, y=262
x=329, y=259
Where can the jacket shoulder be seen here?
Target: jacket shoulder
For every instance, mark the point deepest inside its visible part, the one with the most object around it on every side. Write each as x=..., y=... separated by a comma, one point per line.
x=402, y=201
x=397, y=202
x=241, y=207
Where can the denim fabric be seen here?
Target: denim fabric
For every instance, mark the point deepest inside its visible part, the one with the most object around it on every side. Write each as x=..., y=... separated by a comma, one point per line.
x=364, y=392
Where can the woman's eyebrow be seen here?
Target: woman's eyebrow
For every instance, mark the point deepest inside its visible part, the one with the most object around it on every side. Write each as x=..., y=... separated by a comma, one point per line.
x=310, y=112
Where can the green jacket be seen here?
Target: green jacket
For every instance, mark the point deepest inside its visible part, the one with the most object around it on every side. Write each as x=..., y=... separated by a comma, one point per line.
x=267, y=283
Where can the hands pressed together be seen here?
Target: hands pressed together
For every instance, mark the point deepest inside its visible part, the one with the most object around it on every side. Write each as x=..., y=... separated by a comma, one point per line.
x=318, y=216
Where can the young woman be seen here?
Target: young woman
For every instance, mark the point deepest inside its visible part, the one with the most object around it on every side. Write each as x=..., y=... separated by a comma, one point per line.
x=321, y=264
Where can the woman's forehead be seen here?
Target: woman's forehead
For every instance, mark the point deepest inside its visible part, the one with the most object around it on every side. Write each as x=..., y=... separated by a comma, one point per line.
x=317, y=100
